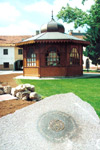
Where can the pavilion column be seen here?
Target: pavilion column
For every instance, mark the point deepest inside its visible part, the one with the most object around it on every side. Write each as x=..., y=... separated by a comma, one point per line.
x=39, y=64
x=68, y=55
x=24, y=57
x=81, y=54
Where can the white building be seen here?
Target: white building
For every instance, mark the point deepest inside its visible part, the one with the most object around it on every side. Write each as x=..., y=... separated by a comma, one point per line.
x=7, y=58
x=11, y=57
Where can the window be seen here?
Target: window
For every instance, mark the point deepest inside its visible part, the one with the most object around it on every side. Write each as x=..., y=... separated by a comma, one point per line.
x=74, y=57
x=6, y=65
x=31, y=58
x=20, y=52
x=5, y=51
x=52, y=58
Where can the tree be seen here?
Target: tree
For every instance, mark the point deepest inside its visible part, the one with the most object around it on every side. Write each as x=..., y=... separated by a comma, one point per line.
x=91, y=19
x=93, y=34
x=83, y=1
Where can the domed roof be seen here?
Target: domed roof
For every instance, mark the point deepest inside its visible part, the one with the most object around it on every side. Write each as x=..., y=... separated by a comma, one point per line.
x=52, y=26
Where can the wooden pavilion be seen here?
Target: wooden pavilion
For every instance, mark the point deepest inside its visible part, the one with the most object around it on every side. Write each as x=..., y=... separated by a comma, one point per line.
x=52, y=53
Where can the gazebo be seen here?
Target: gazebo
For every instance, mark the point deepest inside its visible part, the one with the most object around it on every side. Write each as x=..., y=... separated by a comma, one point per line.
x=52, y=53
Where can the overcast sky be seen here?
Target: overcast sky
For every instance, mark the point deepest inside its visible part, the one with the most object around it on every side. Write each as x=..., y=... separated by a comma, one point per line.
x=24, y=17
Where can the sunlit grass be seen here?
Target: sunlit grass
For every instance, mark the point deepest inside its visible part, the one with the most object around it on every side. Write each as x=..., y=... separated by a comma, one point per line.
x=88, y=89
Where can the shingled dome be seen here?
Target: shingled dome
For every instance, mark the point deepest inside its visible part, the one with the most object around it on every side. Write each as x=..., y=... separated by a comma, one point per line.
x=52, y=26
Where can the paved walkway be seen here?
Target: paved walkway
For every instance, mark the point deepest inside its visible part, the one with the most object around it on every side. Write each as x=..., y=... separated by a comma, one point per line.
x=9, y=72
x=85, y=75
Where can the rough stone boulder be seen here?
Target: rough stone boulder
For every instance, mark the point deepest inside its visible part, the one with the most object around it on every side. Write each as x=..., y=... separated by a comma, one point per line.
x=1, y=92
x=23, y=91
x=23, y=88
x=1, y=87
x=30, y=87
x=20, y=88
x=13, y=91
x=59, y=122
x=7, y=89
x=34, y=96
x=23, y=95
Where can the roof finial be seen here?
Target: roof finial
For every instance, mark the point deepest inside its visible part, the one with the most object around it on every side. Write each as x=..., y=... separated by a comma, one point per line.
x=52, y=15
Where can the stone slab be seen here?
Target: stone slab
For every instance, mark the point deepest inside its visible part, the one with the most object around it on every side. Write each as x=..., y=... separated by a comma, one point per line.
x=59, y=122
x=5, y=97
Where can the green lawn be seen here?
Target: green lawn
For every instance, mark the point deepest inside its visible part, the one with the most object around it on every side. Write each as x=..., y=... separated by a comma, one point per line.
x=88, y=89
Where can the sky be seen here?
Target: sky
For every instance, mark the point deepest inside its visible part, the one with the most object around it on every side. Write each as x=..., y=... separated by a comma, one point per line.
x=24, y=17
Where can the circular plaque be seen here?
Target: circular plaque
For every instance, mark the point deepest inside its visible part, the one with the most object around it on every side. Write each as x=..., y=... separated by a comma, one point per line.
x=55, y=126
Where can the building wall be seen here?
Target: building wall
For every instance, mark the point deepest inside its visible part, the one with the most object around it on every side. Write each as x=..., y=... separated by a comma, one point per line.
x=18, y=65
x=31, y=71
x=91, y=66
x=18, y=56
x=9, y=58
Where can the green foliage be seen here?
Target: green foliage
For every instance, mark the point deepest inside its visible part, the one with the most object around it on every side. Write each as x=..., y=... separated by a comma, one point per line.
x=83, y=1
x=93, y=50
x=91, y=19
x=97, y=1
x=79, y=17
x=87, y=89
x=69, y=14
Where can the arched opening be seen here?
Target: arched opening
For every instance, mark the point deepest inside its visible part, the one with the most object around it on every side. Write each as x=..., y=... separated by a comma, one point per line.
x=31, y=58
x=74, y=57
x=18, y=65
x=52, y=58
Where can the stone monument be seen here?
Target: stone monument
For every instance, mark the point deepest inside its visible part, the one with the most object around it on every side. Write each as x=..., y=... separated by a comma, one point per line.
x=59, y=122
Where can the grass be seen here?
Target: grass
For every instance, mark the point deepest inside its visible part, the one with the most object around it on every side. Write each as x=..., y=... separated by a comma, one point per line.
x=88, y=89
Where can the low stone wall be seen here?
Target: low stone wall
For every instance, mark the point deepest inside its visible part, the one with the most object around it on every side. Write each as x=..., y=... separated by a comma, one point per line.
x=23, y=91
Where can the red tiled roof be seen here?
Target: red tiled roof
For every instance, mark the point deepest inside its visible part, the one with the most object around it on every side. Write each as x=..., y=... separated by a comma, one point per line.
x=78, y=34
x=13, y=39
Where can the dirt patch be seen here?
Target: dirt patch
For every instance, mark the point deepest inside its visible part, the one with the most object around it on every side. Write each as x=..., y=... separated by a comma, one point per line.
x=10, y=106
x=8, y=79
